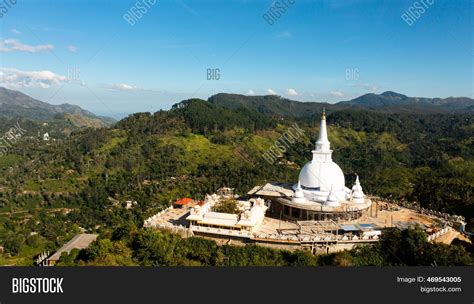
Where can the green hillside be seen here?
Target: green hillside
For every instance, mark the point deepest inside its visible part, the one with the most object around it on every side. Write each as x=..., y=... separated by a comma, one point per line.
x=15, y=105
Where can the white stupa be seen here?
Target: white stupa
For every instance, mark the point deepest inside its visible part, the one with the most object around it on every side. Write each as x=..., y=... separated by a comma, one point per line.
x=357, y=193
x=332, y=200
x=299, y=195
x=322, y=180
x=320, y=193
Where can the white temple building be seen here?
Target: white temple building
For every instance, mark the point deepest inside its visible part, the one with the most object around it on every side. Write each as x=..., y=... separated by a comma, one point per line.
x=321, y=190
x=244, y=223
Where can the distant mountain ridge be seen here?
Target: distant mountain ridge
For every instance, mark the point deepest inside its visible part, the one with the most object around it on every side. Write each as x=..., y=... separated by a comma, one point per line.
x=387, y=102
x=395, y=102
x=16, y=104
x=271, y=105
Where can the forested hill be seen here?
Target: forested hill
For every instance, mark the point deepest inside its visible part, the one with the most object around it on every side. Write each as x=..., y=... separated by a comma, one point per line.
x=387, y=102
x=392, y=102
x=203, y=116
x=200, y=146
x=271, y=105
x=14, y=104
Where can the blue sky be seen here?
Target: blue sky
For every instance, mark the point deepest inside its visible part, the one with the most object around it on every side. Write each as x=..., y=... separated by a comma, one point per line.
x=86, y=53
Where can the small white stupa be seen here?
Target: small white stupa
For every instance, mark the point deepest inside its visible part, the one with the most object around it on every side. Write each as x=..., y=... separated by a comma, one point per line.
x=299, y=195
x=332, y=200
x=357, y=193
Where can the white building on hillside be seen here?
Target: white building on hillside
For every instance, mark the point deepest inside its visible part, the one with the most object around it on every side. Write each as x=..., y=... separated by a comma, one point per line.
x=250, y=216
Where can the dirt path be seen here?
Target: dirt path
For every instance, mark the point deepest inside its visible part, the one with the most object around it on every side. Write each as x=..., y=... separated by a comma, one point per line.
x=39, y=208
x=450, y=236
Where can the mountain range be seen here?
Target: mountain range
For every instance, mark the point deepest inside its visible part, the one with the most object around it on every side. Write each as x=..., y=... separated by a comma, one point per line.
x=387, y=102
x=395, y=102
x=16, y=104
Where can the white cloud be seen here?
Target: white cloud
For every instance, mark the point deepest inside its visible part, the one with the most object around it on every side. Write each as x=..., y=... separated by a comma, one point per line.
x=369, y=87
x=292, y=92
x=14, y=78
x=284, y=34
x=337, y=94
x=10, y=45
x=271, y=92
x=72, y=48
x=372, y=88
x=124, y=87
x=250, y=92
x=121, y=87
x=15, y=31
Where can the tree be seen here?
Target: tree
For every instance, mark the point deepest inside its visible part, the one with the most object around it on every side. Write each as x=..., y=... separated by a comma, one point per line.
x=227, y=206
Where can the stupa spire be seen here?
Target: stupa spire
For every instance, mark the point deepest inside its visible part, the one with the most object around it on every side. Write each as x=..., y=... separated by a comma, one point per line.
x=323, y=143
